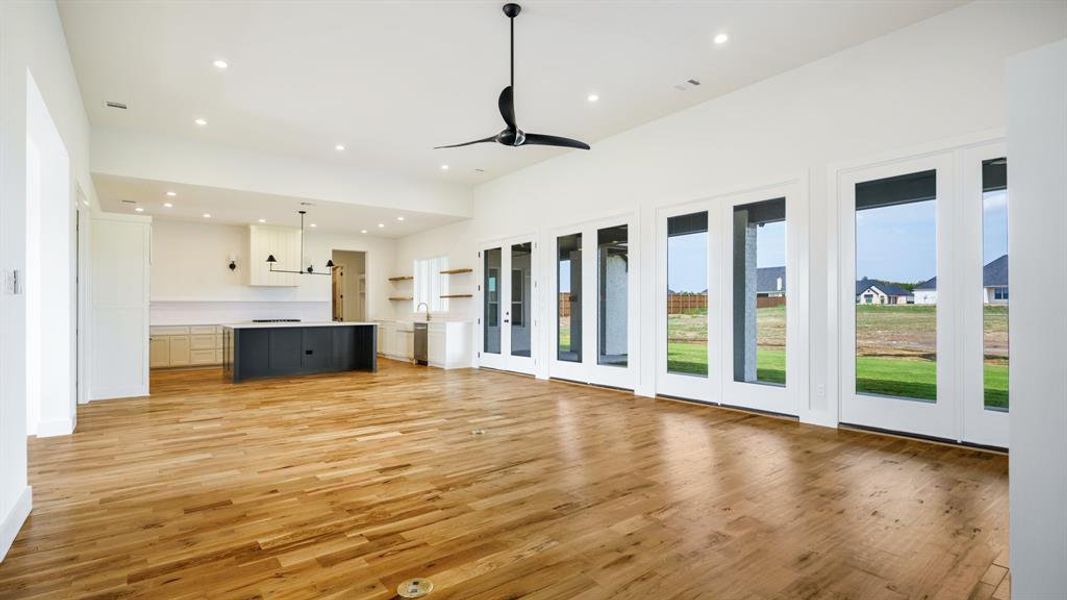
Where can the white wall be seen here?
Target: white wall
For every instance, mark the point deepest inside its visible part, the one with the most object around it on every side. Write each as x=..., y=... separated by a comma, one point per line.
x=31, y=41
x=1037, y=176
x=191, y=282
x=938, y=79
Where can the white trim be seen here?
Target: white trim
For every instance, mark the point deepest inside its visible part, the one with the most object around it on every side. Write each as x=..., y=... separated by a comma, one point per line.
x=55, y=428
x=14, y=519
x=977, y=424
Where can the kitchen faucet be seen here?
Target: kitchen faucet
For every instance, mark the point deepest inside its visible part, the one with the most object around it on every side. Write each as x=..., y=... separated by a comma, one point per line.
x=427, y=309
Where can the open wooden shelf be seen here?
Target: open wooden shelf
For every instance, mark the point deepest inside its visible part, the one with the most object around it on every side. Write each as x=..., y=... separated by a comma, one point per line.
x=402, y=278
x=401, y=298
x=457, y=271
x=457, y=295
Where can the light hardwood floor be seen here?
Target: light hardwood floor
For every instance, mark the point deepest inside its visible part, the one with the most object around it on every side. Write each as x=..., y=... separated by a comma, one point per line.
x=342, y=486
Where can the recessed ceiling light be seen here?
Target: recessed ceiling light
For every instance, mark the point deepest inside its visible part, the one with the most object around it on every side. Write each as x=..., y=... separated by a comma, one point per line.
x=207, y=215
x=220, y=64
x=200, y=122
x=444, y=167
x=262, y=220
x=139, y=209
x=363, y=231
x=722, y=38
x=592, y=97
x=339, y=147
x=314, y=225
x=381, y=224
x=168, y=205
x=400, y=218
x=172, y=194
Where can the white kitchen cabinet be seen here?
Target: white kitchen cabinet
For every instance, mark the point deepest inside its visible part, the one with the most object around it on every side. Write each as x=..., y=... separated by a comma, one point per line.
x=185, y=346
x=386, y=334
x=179, y=350
x=449, y=344
x=404, y=341
x=159, y=352
x=283, y=243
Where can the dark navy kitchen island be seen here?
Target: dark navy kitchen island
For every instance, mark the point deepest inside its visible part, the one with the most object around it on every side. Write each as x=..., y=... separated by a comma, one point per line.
x=254, y=350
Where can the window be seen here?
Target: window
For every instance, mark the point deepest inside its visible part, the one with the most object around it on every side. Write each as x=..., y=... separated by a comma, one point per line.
x=687, y=294
x=759, y=317
x=613, y=296
x=430, y=285
x=896, y=249
x=569, y=305
x=995, y=283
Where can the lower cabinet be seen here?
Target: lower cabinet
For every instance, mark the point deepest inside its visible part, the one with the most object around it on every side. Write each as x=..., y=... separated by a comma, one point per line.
x=449, y=344
x=185, y=346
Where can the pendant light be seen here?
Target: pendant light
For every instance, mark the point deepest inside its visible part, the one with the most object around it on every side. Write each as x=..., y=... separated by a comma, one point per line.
x=271, y=261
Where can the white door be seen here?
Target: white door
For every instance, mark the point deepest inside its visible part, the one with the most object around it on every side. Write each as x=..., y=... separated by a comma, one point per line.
x=898, y=360
x=508, y=322
x=594, y=294
x=730, y=305
x=985, y=294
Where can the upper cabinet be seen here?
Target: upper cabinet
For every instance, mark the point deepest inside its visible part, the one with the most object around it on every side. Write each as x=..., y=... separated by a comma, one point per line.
x=281, y=242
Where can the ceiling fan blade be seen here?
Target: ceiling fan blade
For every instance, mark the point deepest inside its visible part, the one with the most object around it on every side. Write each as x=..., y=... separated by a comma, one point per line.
x=507, y=106
x=539, y=139
x=491, y=138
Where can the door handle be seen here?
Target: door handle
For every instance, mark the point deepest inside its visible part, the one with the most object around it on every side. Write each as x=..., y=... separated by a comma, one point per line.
x=506, y=321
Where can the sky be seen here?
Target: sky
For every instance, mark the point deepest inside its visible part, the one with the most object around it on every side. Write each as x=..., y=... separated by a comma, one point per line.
x=894, y=243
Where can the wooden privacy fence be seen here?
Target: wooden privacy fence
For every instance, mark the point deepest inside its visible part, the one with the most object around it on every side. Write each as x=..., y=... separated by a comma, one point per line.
x=686, y=303
x=678, y=304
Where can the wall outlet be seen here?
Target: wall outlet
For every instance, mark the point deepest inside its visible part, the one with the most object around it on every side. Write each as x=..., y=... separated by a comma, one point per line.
x=820, y=390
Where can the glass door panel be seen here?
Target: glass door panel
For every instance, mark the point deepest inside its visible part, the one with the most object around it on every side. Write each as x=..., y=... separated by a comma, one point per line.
x=569, y=298
x=995, y=290
x=492, y=317
x=896, y=287
x=759, y=292
x=520, y=313
x=613, y=296
x=687, y=294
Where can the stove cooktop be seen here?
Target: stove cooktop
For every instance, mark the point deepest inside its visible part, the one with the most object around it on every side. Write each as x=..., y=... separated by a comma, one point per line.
x=275, y=320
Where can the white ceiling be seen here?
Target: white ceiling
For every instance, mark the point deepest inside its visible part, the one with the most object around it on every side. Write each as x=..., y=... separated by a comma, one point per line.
x=232, y=207
x=391, y=80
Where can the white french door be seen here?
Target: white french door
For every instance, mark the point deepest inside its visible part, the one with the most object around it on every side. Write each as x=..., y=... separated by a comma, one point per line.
x=729, y=297
x=508, y=289
x=924, y=322
x=896, y=346
x=594, y=293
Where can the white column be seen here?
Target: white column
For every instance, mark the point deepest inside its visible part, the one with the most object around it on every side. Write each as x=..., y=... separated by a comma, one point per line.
x=1037, y=182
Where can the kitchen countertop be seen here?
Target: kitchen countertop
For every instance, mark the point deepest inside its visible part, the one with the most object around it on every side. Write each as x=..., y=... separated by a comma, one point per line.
x=277, y=324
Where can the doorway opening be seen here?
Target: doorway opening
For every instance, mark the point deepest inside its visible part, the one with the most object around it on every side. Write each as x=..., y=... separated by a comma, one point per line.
x=349, y=286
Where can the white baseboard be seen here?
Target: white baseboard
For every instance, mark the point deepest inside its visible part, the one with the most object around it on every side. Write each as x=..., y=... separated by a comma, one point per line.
x=113, y=393
x=14, y=519
x=54, y=428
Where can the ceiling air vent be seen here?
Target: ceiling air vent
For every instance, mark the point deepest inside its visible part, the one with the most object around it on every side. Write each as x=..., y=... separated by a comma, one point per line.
x=129, y=202
x=118, y=105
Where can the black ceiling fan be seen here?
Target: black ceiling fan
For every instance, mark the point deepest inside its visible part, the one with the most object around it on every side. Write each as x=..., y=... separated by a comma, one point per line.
x=512, y=135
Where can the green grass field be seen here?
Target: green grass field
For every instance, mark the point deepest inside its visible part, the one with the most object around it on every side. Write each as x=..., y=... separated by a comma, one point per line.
x=895, y=347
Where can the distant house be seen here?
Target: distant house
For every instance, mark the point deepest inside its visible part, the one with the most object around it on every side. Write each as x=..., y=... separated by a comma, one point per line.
x=994, y=284
x=875, y=291
x=770, y=282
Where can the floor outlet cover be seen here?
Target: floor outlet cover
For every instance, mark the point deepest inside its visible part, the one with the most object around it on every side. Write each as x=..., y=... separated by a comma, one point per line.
x=414, y=588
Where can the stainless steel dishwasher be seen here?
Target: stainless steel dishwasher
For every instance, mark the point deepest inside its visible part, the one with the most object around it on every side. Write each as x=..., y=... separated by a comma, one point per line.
x=421, y=333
